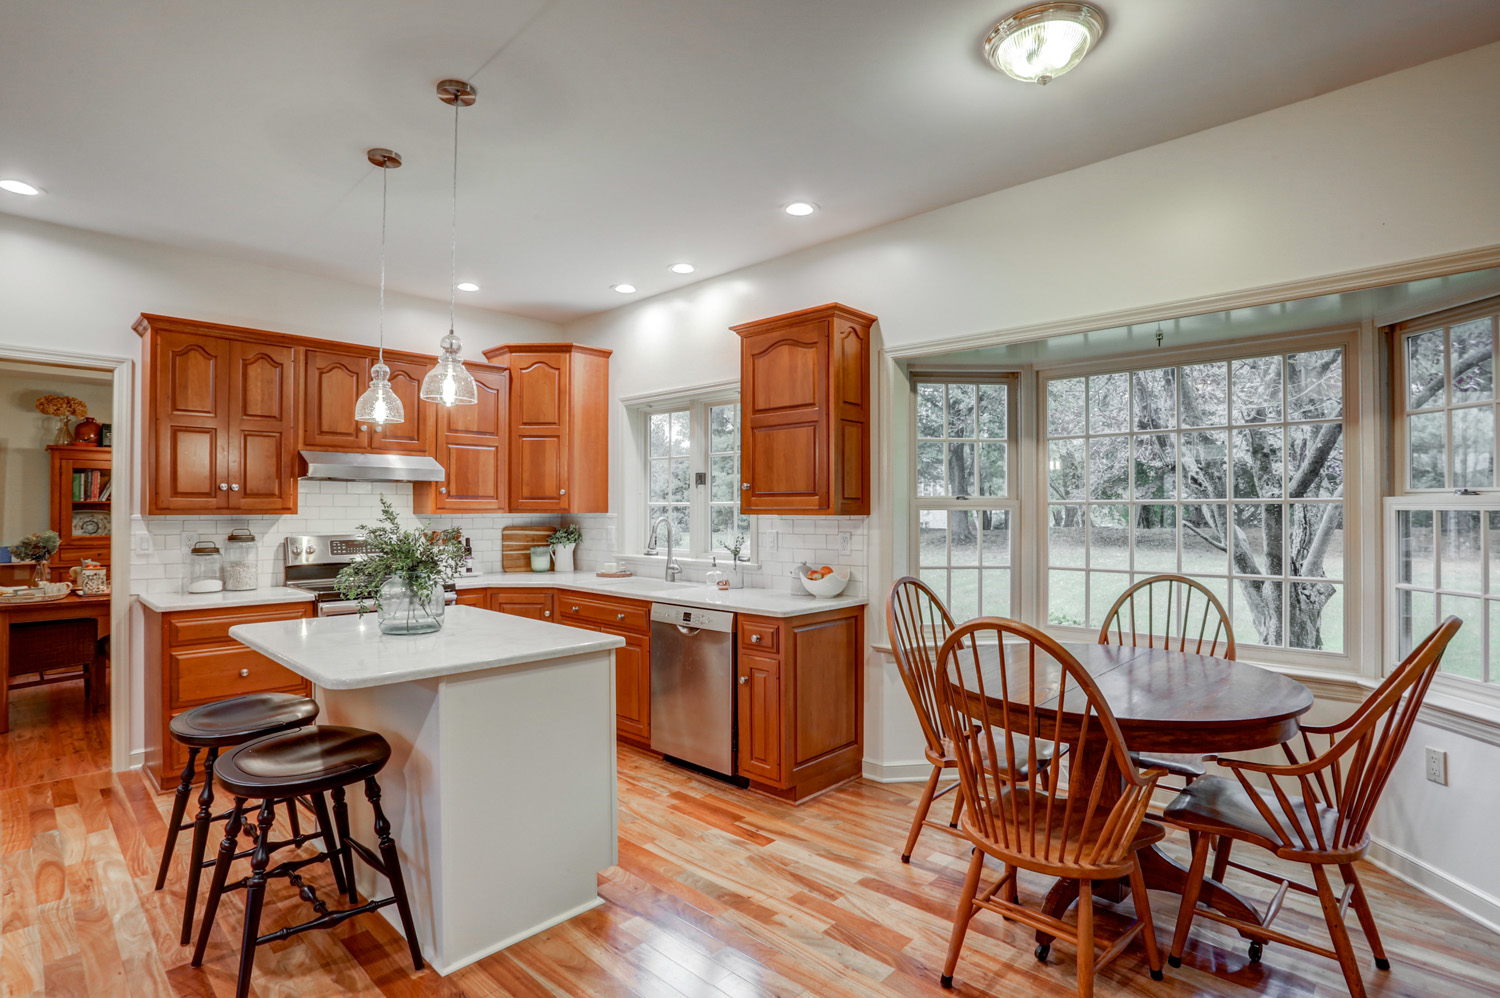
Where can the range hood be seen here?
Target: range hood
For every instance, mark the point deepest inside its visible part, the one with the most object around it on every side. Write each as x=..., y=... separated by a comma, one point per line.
x=333, y=466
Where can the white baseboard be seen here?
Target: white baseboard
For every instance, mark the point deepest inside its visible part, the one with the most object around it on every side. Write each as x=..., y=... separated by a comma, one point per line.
x=137, y=758
x=1464, y=898
x=901, y=772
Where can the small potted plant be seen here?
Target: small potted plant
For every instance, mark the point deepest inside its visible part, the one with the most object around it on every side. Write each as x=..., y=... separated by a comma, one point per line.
x=403, y=573
x=563, y=541
x=736, y=577
x=39, y=548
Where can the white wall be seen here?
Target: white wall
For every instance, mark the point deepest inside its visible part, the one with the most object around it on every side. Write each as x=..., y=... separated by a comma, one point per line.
x=25, y=468
x=1394, y=170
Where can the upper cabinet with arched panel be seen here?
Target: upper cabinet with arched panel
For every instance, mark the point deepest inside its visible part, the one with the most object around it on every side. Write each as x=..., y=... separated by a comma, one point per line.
x=558, y=446
x=805, y=389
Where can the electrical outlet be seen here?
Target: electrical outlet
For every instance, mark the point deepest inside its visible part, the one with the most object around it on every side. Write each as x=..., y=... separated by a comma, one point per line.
x=846, y=543
x=188, y=540
x=1437, y=766
x=142, y=541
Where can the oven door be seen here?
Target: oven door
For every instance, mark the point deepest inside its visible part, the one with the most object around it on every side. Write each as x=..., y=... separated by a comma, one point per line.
x=339, y=608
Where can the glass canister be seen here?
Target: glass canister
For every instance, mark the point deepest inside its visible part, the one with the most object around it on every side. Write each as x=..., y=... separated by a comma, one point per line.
x=241, y=560
x=205, y=568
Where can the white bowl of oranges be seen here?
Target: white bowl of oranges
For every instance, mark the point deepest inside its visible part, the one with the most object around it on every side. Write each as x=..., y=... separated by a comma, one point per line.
x=824, y=582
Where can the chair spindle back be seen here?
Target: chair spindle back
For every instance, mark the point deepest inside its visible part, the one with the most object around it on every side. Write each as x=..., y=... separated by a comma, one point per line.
x=918, y=624
x=1176, y=612
x=1006, y=707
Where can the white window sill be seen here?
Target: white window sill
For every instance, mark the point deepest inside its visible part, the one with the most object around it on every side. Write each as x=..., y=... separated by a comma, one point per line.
x=685, y=562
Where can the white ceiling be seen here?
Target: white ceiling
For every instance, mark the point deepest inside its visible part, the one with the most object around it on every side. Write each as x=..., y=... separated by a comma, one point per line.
x=612, y=138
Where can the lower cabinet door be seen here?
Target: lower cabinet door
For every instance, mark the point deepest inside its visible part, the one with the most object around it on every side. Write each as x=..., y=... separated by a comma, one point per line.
x=474, y=597
x=633, y=687
x=758, y=697
x=537, y=606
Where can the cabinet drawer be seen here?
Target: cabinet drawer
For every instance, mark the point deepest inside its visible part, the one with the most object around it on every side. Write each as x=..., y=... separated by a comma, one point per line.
x=760, y=636
x=185, y=629
x=611, y=615
x=213, y=673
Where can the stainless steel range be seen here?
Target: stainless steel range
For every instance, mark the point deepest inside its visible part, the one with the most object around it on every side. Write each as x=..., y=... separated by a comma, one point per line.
x=313, y=561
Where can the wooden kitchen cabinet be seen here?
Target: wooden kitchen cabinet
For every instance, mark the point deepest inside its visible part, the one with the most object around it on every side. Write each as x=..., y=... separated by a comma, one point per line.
x=191, y=660
x=333, y=379
x=631, y=620
x=471, y=447
x=558, y=432
x=800, y=701
x=805, y=404
x=523, y=603
x=479, y=598
x=220, y=419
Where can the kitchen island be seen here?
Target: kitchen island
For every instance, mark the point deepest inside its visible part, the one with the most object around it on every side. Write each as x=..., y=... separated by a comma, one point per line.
x=501, y=785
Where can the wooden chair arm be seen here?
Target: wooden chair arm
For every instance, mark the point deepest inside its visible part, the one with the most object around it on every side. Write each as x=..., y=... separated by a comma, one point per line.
x=1275, y=769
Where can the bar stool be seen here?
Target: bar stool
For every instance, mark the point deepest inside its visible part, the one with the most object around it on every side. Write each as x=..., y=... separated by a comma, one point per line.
x=220, y=725
x=310, y=760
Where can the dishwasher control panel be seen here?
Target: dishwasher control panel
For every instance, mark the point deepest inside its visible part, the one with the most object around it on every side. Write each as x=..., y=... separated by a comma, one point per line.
x=692, y=617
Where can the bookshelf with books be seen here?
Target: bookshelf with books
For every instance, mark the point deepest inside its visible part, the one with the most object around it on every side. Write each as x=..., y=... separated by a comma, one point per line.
x=82, y=490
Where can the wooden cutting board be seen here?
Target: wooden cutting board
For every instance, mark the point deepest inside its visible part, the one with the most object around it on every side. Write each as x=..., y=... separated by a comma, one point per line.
x=516, y=544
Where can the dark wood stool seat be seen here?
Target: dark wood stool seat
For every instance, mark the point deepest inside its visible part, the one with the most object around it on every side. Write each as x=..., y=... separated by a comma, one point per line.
x=302, y=761
x=241, y=719
x=215, y=726
x=309, y=760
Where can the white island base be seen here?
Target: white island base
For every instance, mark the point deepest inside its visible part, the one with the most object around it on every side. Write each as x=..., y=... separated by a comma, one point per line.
x=501, y=786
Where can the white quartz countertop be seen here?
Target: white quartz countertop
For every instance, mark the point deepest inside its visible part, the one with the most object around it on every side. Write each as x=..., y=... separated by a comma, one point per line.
x=761, y=602
x=172, y=602
x=349, y=652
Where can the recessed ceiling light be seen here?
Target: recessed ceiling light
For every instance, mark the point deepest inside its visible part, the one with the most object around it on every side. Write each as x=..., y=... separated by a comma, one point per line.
x=1042, y=42
x=682, y=268
x=624, y=289
x=19, y=187
x=799, y=208
x=467, y=286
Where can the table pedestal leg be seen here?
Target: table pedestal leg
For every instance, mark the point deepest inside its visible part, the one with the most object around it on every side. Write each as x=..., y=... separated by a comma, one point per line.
x=1162, y=873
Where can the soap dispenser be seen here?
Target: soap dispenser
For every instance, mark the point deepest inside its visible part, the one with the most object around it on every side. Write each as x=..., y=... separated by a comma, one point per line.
x=716, y=578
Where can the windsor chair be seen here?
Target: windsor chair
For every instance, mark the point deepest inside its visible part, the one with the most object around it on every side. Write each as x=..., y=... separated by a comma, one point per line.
x=1314, y=809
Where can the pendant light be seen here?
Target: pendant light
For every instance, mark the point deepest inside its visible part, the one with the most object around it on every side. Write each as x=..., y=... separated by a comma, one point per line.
x=448, y=382
x=380, y=404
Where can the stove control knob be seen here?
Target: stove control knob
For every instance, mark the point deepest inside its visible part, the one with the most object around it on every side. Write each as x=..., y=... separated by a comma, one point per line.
x=311, y=549
x=296, y=550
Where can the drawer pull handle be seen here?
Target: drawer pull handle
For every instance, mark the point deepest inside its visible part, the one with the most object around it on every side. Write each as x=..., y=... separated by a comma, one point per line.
x=744, y=680
x=575, y=609
x=244, y=673
x=619, y=616
x=754, y=640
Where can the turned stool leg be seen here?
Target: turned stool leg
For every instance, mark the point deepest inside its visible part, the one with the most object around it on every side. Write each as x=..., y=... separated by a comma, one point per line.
x=216, y=883
x=200, y=842
x=179, y=808
x=255, y=895
x=330, y=844
x=341, y=822
x=392, y=871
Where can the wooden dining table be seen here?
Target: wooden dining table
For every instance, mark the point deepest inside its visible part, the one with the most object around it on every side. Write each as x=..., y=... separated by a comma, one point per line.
x=70, y=607
x=1167, y=702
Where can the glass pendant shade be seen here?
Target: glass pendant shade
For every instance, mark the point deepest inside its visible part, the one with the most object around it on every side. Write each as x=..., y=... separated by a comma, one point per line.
x=1041, y=43
x=379, y=404
x=449, y=383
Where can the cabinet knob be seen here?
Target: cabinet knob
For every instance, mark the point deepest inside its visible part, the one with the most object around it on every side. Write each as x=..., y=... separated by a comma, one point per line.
x=754, y=640
x=575, y=609
x=443, y=489
x=744, y=680
x=546, y=613
x=562, y=492
x=619, y=616
x=223, y=486
x=234, y=488
x=744, y=486
x=244, y=673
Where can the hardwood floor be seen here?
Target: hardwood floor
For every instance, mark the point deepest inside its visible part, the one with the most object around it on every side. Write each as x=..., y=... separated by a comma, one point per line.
x=719, y=894
x=52, y=736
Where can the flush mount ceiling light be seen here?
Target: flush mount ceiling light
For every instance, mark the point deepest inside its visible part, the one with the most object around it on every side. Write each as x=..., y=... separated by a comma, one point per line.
x=682, y=268
x=19, y=187
x=380, y=404
x=448, y=382
x=624, y=289
x=1044, y=41
x=468, y=286
x=799, y=208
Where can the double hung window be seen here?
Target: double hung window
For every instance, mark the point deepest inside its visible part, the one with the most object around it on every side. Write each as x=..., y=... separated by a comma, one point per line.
x=965, y=487
x=1227, y=471
x=692, y=477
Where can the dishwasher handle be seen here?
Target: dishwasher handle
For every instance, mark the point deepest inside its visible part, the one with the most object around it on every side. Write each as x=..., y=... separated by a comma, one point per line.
x=687, y=631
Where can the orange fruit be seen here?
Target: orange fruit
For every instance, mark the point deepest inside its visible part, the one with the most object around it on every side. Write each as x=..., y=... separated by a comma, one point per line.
x=826, y=570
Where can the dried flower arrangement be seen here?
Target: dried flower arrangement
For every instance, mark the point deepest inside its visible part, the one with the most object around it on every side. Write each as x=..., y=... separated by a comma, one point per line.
x=62, y=406
x=36, y=547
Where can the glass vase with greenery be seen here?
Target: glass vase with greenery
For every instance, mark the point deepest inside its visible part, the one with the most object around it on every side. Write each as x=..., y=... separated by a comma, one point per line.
x=402, y=573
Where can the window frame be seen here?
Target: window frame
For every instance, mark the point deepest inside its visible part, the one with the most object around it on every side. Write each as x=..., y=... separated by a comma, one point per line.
x=1011, y=502
x=1228, y=351
x=1400, y=333
x=699, y=501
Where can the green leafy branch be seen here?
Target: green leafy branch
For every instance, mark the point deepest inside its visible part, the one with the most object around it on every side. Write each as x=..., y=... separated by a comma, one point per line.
x=423, y=559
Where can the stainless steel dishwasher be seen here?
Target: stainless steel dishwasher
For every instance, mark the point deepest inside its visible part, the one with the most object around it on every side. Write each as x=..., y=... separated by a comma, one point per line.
x=692, y=685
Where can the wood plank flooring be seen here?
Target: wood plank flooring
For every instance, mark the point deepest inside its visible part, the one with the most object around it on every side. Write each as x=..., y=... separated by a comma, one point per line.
x=719, y=894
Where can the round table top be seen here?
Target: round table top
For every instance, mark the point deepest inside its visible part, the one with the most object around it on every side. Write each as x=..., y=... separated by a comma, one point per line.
x=1171, y=701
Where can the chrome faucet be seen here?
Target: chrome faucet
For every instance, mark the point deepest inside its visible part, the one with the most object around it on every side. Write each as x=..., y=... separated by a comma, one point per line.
x=673, y=569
